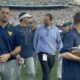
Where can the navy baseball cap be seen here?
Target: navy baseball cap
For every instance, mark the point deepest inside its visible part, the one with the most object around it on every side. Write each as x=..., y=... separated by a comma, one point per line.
x=67, y=24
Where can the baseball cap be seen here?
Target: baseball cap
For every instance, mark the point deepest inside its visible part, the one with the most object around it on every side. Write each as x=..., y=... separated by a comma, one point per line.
x=24, y=15
x=67, y=24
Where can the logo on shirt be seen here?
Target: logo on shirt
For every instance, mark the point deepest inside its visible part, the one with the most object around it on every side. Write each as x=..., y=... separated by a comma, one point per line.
x=10, y=33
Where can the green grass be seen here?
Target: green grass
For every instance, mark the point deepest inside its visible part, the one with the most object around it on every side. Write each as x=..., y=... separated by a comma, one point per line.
x=39, y=73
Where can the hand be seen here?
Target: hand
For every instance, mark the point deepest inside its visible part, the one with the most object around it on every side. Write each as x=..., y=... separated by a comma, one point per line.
x=20, y=60
x=5, y=57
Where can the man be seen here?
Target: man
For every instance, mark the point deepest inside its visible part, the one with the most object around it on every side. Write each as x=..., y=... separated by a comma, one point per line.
x=46, y=41
x=71, y=62
x=26, y=44
x=66, y=28
x=33, y=25
x=9, y=46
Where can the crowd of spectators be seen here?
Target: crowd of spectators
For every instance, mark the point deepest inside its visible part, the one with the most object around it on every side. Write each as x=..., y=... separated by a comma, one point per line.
x=32, y=2
x=60, y=15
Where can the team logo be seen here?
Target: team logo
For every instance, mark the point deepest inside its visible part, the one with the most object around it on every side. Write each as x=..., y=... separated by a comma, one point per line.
x=10, y=33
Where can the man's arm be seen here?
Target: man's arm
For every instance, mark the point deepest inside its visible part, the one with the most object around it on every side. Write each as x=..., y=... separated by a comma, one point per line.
x=17, y=49
x=68, y=43
x=70, y=56
x=6, y=56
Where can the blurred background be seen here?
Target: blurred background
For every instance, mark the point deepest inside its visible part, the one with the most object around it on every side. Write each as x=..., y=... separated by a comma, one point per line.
x=62, y=10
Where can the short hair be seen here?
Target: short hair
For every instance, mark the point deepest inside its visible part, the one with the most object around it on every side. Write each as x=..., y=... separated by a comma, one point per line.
x=50, y=16
x=76, y=18
x=21, y=14
x=33, y=21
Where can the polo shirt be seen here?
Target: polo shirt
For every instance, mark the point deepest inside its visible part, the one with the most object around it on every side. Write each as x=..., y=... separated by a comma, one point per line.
x=26, y=41
x=70, y=68
x=9, y=39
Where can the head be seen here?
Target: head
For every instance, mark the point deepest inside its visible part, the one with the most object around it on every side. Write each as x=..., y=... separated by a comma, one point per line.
x=33, y=24
x=67, y=26
x=4, y=14
x=76, y=19
x=25, y=18
x=48, y=19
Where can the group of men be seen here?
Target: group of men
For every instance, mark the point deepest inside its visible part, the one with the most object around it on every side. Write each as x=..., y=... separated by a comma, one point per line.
x=16, y=46
x=24, y=42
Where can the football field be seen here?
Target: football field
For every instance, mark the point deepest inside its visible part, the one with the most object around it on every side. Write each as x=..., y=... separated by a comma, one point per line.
x=39, y=73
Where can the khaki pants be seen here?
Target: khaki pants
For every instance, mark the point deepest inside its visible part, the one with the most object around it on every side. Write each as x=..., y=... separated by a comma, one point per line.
x=8, y=70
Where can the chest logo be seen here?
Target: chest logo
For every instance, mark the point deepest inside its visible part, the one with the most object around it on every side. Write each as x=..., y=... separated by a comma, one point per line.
x=10, y=33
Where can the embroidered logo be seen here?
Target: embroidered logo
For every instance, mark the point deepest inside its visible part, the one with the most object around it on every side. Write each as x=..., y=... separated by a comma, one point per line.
x=10, y=33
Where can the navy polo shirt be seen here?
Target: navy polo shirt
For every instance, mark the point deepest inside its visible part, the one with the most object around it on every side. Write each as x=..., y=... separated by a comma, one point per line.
x=26, y=41
x=9, y=39
x=63, y=34
x=70, y=68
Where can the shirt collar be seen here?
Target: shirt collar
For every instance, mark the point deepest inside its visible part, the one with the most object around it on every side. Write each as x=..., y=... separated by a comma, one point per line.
x=5, y=26
x=49, y=27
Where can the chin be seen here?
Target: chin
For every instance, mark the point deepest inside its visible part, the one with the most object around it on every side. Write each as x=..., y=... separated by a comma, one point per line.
x=4, y=21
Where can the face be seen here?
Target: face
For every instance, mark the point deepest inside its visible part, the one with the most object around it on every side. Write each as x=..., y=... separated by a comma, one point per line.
x=5, y=14
x=26, y=20
x=66, y=28
x=46, y=20
x=34, y=25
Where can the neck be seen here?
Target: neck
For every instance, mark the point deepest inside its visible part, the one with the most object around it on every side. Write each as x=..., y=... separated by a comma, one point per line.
x=49, y=24
x=3, y=24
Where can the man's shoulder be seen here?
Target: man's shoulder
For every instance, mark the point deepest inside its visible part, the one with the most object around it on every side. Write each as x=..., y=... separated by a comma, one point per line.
x=56, y=29
x=15, y=29
x=40, y=27
x=71, y=33
x=17, y=26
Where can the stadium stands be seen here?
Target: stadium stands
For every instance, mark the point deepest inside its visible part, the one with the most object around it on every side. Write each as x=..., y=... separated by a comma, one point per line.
x=60, y=15
x=32, y=2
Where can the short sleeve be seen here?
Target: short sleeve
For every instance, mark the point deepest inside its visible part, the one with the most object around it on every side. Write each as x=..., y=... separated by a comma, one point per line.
x=68, y=43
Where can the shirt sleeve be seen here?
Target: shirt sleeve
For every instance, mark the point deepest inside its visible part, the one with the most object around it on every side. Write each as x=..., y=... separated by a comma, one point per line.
x=68, y=43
